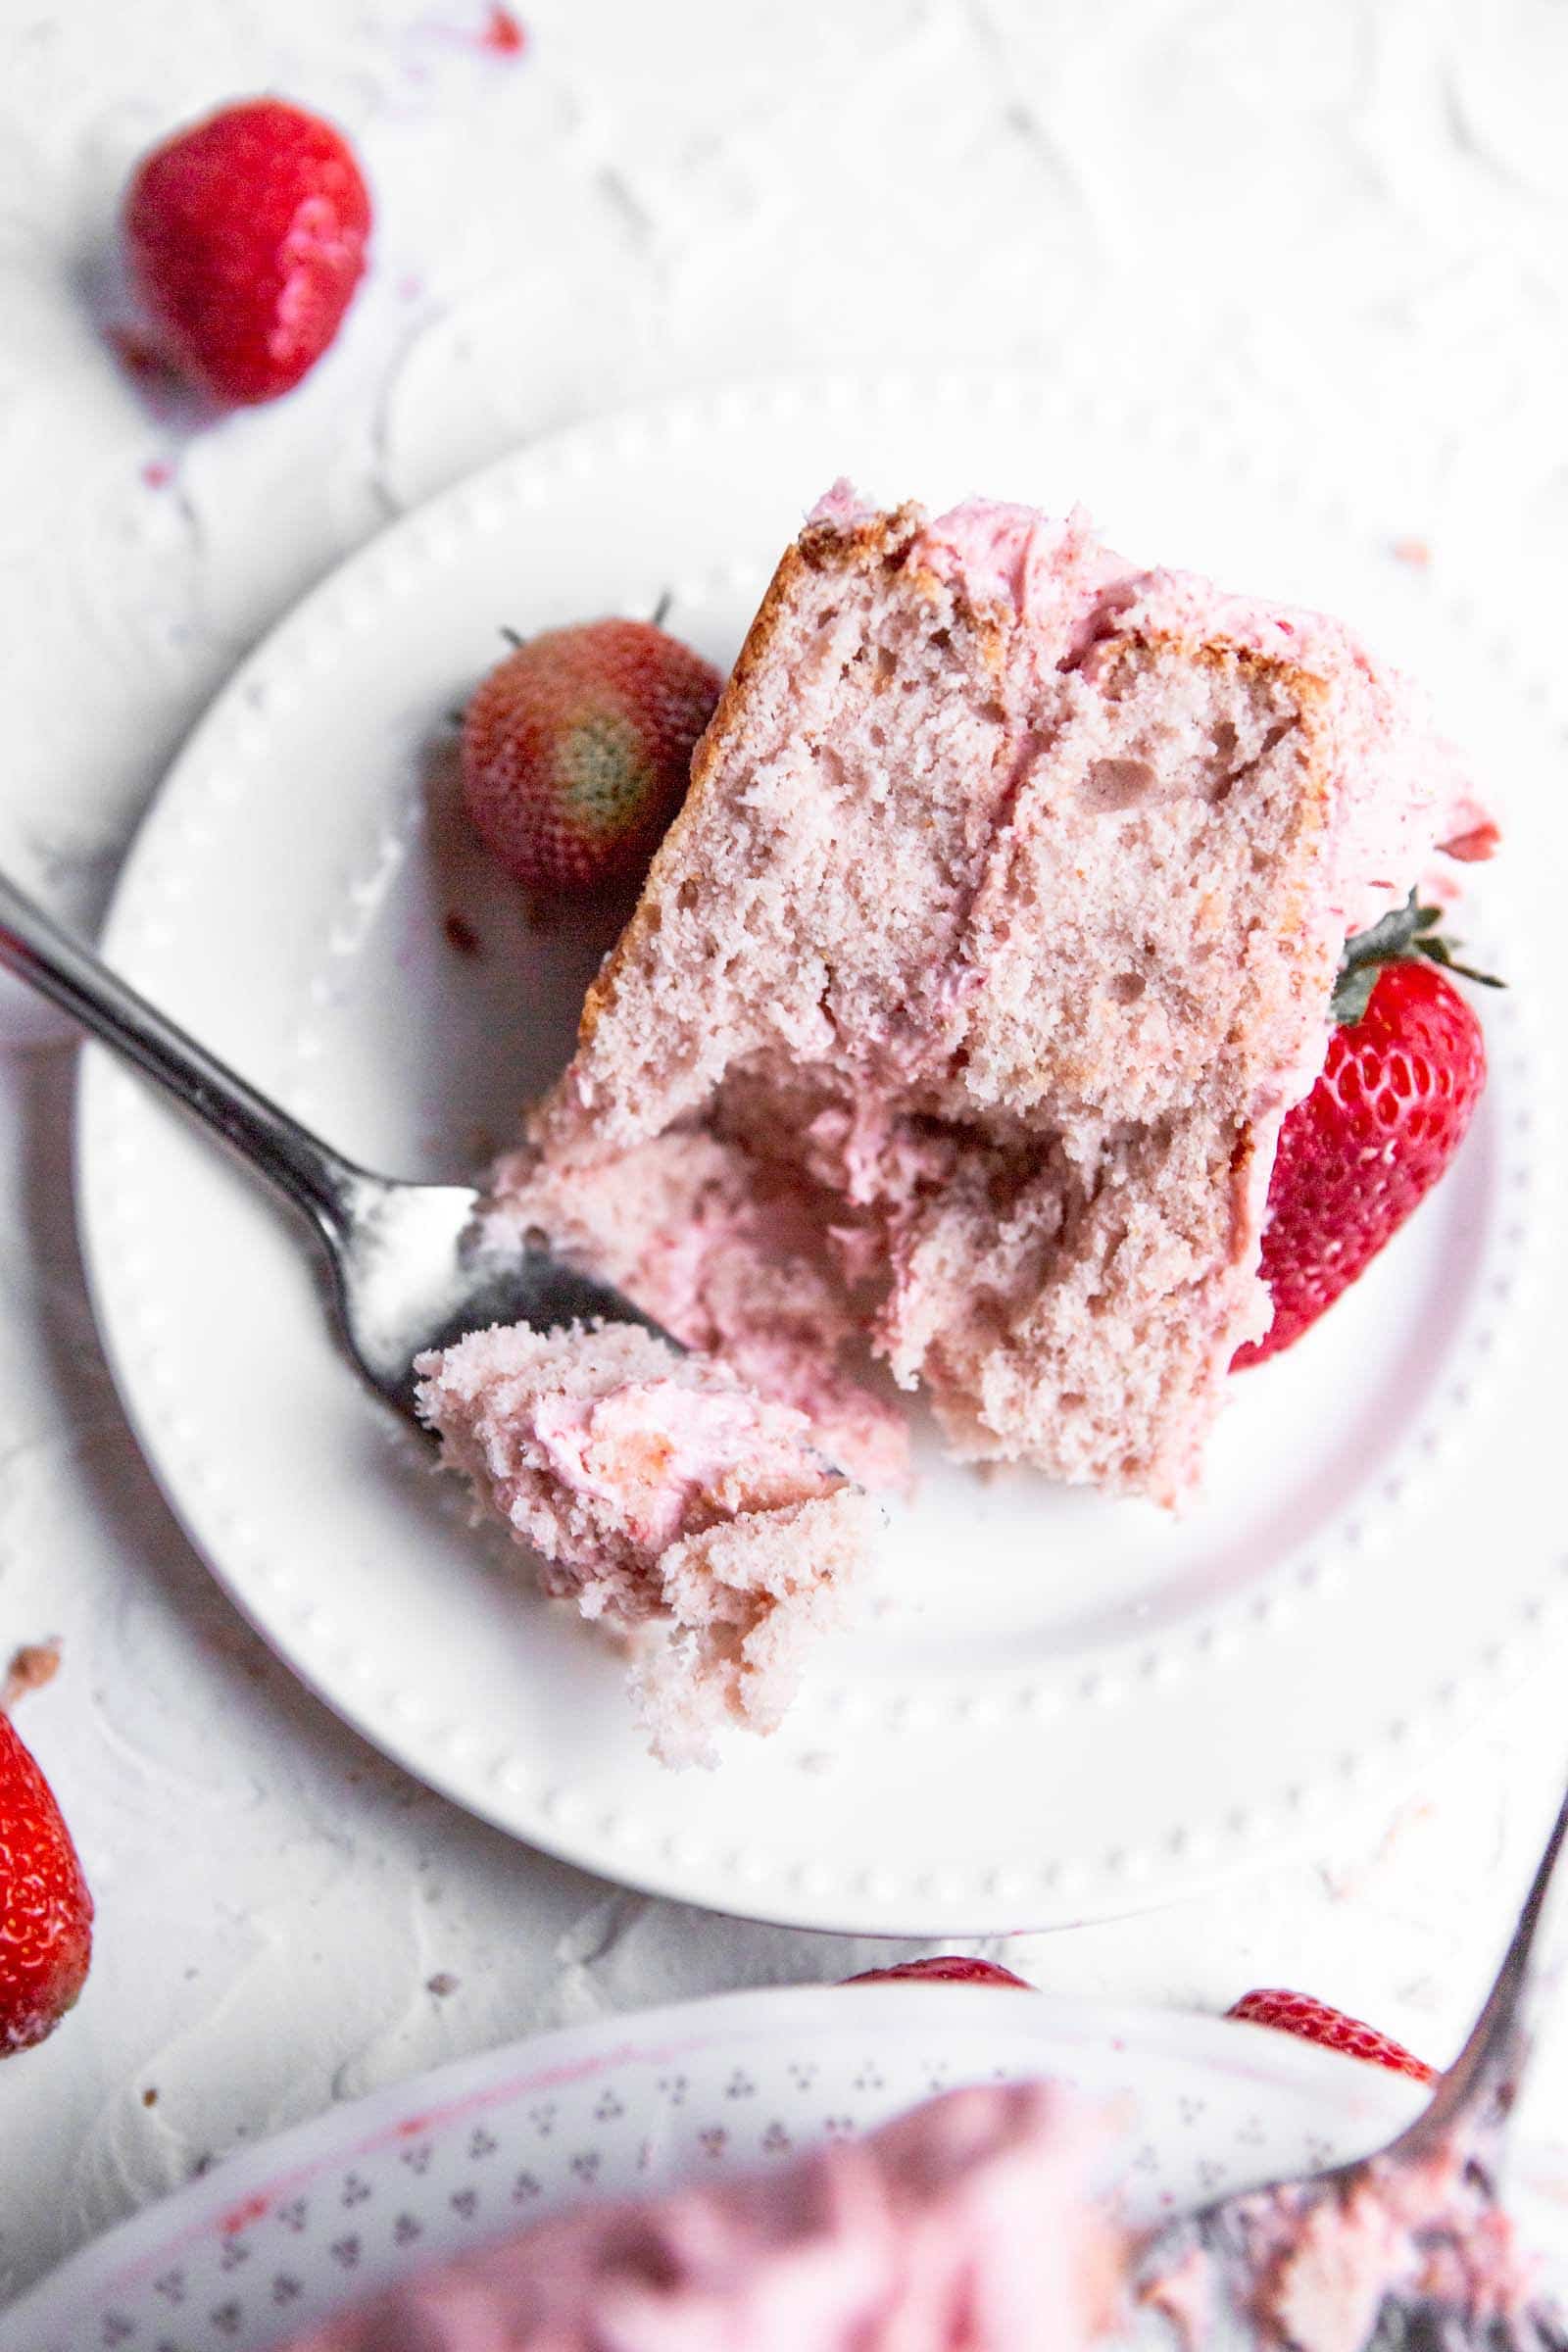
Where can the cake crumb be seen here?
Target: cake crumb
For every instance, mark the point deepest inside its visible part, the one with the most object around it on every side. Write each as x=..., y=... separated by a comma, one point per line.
x=461, y=935
x=686, y=1514
x=149, y=2097
x=442, y=1984
x=1415, y=552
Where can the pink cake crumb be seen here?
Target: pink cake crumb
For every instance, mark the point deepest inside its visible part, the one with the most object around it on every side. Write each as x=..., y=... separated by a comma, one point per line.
x=967, y=2224
x=1324, y=2266
x=675, y=1507
x=968, y=992
x=1310, y=2267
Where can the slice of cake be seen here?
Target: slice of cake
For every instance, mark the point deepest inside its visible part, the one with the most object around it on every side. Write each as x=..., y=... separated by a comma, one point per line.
x=968, y=2223
x=996, y=937
x=674, y=1507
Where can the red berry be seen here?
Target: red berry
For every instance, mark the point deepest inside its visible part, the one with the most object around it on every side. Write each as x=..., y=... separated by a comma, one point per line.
x=576, y=749
x=1315, y=2021
x=45, y=1908
x=245, y=236
x=502, y=34
x=1368, y=1142
x=947, y=1969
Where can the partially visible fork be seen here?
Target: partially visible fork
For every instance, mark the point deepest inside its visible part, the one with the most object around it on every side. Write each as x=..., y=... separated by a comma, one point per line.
x=407, y=1265
x=1470, y=2108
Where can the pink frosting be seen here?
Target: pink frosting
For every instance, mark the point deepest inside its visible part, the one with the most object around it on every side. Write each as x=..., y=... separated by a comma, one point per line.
x=655, y=1449
x=841, y=504
x=963, y=2228
x=1016, y=556
x=1055, y=575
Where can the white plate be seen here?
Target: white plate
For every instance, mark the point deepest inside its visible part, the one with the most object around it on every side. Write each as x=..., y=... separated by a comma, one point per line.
x=289, y=2233
x=1063, y=1708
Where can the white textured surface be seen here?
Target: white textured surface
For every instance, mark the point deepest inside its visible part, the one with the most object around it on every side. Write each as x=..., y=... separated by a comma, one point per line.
x=1352, y=221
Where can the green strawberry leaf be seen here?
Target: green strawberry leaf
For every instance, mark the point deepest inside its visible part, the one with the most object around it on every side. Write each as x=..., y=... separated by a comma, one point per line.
x=1397, y=937
x=1352, y=994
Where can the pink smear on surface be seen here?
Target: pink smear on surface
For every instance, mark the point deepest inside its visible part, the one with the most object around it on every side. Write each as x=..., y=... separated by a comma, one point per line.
x=241, y=2216
x=158, y=474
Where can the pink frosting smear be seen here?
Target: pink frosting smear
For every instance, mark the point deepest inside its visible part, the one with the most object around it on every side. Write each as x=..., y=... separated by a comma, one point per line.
x=965, y=2226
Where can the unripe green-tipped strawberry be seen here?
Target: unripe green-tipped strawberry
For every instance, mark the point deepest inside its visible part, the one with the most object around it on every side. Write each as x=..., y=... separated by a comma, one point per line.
x=577, y=747
x=1404, y=1071
x=45, y=1908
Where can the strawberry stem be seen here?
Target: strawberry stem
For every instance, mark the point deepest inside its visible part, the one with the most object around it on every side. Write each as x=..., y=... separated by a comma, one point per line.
x=1397, y=937
x=34, y=1664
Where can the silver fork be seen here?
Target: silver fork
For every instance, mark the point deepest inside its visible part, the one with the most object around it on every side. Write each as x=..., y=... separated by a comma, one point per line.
x=1470, y=2107
x=406, y=1266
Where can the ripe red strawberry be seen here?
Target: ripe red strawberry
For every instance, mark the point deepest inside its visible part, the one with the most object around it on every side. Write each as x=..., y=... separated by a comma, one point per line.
x=1315, y=2020
x=577, y=747
x=245, y=236
x=45, y=1908
x=1404, y=1071
x=947, y=1968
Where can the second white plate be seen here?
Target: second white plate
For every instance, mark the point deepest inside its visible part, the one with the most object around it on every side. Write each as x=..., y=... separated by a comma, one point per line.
x=281, y=2236
x=1061, y=1707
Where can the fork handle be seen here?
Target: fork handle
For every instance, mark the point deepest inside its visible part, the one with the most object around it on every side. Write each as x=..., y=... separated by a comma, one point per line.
x=1483, y=2083
x=297, y=1163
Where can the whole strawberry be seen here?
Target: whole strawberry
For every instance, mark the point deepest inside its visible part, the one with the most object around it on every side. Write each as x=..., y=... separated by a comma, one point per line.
x=1404, y=1071
x=1315, y=2021
x=577, y=747
x=945, y=1968
x=245, y=237
x=45, y=1908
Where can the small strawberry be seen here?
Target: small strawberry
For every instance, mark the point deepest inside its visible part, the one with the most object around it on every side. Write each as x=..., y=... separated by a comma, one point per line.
x=947, y=1969
x=1315, y=2021
x=576, y=749
x=45, y=1908
x=245, y=236
x=1404, y=1071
